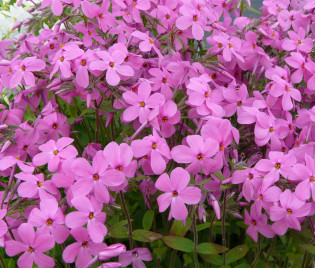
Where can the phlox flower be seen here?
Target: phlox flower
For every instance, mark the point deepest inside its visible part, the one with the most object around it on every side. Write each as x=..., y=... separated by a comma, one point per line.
x=54, y=153
x=81, y=252
x=112, y=61
x=257, y=224
x=24, y=70
x=96, y=177
x=49, y=219
x=288, y=214
x=135, y=257
x=198, y=153
x=177, y=194
x=3, y=226
x=298, y=41
x=32, y=245
x=90, y=212
x=141, y=103
x=154, y=146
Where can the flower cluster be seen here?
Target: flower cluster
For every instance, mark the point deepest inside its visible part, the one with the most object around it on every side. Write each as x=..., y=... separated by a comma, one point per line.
x=124, y=109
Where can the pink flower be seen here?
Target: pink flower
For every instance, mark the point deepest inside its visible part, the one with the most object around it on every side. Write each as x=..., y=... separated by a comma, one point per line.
x=33, y=245
x=49, y=219
x=306, y=173
x=54, y=153
x=3, y=226
x=112, y=61
x=111, y=251
x=119, y=157
x=82, y=251
x=298, y=41
x=142, y=103
x=198, y=153
x=35, y=184
x=287, y=215
x=90, y=212
x=24, y=71
x=257, y=223
x=96, y=177
x=278, y=163
x=156, y=147
x=177, y=194
x=191, y=17
x=136, y=257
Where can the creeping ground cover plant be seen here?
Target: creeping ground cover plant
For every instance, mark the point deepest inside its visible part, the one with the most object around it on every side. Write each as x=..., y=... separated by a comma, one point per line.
x=158, y=133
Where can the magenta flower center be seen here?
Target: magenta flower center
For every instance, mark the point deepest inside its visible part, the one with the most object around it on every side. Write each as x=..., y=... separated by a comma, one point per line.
x=312, y=179
x=154, y=145
x=239, y=103
x=85, y=244
x=200, y=156
x=174, y=194
x=219, y=45
x=25, y=147
x=49, y=222
x=91, y=216
x=89, y=32
x=207, y=94
x=83, y=62
x=52, y=46
x=30, y=250
x=119, y=168
x=164, y=118
x=167, y=16
x=289, y=211
x=151, y=41
x=142, y=104
x=164, y=80
x=277, y=165
x=111, y=64
x=127, y=58
x=195, y=18
x=39, y=184
x=135, y=254
x=221, y=147
x=10, y=70
x=61, y=59
x=55, y=152
x=271, y=129
x=96, y=177
x=55, y=126
x=250, y=176
x=260, y=197
x=23, y=68
x=254, y=222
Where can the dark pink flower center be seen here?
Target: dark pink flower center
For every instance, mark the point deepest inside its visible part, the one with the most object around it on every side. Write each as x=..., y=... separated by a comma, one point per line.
x=96, y=177
x=254, y=222
x=85, y=244
x=135, y=254
x=195, y=18
x=23, y=68
x=271, y=129
x=200, y=156
x=164, y=80
x=277, y=165
x=250, y=176
x=289, y=211
x=49, y=222
x=174, y=194
x=119, y=168
x=55, y=126
x=239, y=103
x=39, y=184
x=164, y=118
x=55, y=152
x=83, y=62
x=30, y=250
x=154, y=145
x=91, y=216
x=312, y=179
x=142, y=104
x=111, y=64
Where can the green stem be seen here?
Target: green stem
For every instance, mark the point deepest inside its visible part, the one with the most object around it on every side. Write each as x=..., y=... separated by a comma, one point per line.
x=173, y=258
x=223, y=224
x=2, y=262
x=258, y=252
x=273, y=242
x=97, y=123
x=195, y=238
x=128, y=219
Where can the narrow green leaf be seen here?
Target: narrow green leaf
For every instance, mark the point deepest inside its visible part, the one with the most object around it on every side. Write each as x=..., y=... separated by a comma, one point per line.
x=214, y=259
x=236, y=253
x=148, y=220
x=219, y=176
x=204, y=181
x=145, y=236
x=117, y=232
x=253, y=10
x=179, y=243
x=203, y=226
x=210, y=248
x=225, y=186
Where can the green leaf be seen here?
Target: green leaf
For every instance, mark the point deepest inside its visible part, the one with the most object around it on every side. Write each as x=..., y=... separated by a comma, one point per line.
x=107, y=106
x=243, y=265
x=308, y=248
x=203, y=226
x=145, y=236
x=225, y=186
x=210, y=248
x=178, y=228
x=253, y=10
x=219, y=176
x=148, y=220
x=117, y=232
x=236, y=253
x=179, y=243
x=204, y=181
x=214, y=259
x=11, y=263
